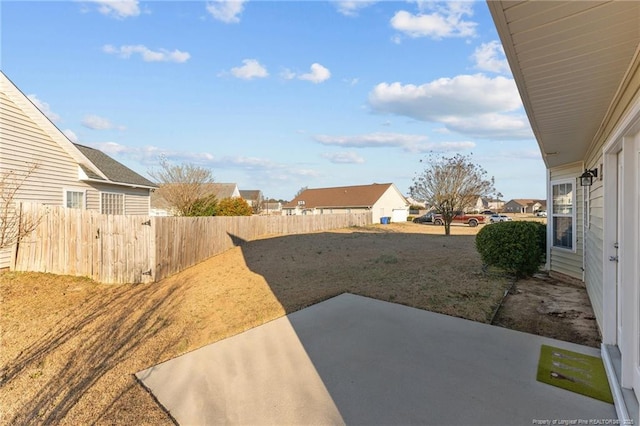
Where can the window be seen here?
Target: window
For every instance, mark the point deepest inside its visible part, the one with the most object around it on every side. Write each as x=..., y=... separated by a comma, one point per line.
x=562, y=215
x=111, y=203
x=74, y=199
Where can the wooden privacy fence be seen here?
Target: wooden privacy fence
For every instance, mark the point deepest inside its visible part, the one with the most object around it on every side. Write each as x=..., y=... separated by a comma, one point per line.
x=136, y=249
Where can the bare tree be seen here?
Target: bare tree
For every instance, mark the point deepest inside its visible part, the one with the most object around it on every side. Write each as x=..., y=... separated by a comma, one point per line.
x=185, y=187
x=451, y=184
x=300, y=191
x=13, y=226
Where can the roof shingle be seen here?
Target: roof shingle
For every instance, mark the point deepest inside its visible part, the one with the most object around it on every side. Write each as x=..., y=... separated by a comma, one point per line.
x=113, y=170
x=342, y=196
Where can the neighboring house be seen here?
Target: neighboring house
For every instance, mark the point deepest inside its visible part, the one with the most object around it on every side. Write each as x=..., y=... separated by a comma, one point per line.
x=253, y=197
x=577, y=67
x=413, y=202
x=65, y=174
x=271, y=207
x=223, y=190
x=382, y=200
x=161, y=207
x=521, y=205
x=485, y=203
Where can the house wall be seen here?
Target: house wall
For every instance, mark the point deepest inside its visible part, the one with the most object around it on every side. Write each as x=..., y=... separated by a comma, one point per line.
x=593, y=236
x=25, y=144
x=136, y=200
x=596, y=249
x=390, y=200
x=565, y=261
x=512, y=207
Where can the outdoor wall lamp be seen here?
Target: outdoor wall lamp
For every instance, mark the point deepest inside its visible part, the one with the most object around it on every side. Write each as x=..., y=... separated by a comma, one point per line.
x=586, y=179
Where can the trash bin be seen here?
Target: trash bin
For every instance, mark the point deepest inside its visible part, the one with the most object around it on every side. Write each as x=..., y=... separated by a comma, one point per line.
x=385, y=220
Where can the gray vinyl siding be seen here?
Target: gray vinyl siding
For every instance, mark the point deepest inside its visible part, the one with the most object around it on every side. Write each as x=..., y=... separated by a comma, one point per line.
x=569, y=262
x=24, y=143
x=136, y=200
x=594, y=240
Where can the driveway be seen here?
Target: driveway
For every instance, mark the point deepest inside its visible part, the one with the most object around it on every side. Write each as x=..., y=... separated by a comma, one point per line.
x=357, y=360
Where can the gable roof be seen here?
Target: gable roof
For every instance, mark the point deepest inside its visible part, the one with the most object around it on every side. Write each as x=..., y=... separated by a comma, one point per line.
x=524, y=202
x=221, y=190
x=114, y=171
x=96, y=165
x=341, y=196
x=250, y=194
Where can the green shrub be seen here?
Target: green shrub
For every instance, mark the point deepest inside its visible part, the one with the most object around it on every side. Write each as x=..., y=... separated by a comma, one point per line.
x=205, y=206
x=518, y=247
x=233, y=207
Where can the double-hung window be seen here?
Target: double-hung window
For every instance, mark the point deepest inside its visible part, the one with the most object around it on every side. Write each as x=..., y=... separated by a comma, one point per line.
x=111, y=203
x=563, y=218
x=75, y=198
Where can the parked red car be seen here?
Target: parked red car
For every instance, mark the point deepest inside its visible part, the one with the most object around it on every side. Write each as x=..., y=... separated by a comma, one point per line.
x=470, y=219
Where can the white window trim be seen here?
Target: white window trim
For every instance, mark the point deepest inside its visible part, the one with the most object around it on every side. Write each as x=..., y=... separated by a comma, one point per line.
x=574, y=209
x=124, y=201
x=72, y=189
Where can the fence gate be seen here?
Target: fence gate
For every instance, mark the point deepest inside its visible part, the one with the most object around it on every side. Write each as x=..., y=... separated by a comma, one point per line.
x=125, y=250
x=107, y=248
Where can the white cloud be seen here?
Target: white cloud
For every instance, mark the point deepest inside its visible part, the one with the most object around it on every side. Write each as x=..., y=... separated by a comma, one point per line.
x=352, y=7
x=463, y=95
x=491, y=126
x=490, y=57
x=469, y=104
x=287, y=74
x=343, y=157
x=148, y=55
x=255, y=166
x=445, y=20
x=44, y=108
x=317, y=75
x=118, y=8
x=99, y=123
x=250, y=70
x=407, y=142
x=226, y=10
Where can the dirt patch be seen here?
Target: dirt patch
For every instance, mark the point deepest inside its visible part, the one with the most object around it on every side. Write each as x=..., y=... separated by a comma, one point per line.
x=550, y=307
x=70, y=346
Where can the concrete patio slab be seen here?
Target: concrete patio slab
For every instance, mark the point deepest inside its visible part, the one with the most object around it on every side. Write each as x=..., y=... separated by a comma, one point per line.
x=356, y=360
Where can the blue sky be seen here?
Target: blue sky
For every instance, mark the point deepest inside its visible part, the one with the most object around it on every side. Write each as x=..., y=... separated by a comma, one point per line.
x=277, y=95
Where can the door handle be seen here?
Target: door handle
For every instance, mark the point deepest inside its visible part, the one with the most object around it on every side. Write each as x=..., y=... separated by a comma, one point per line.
x=613, y=258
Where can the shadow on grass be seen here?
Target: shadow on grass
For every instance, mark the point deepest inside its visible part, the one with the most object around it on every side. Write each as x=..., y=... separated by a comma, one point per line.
x=98, y=340
x=433, y=272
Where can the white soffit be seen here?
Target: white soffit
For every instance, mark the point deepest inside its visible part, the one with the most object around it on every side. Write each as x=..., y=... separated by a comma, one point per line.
x=568, y=59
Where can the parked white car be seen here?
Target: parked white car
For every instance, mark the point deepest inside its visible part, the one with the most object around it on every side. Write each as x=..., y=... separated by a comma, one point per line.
x=499, y=218
x=541, y=213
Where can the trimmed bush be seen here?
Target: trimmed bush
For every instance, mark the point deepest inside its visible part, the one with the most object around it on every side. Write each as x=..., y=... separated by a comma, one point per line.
x=518, y=247
x=233, y=207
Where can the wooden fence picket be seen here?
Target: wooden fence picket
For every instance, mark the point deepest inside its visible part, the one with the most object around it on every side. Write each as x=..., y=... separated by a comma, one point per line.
x=140, y=249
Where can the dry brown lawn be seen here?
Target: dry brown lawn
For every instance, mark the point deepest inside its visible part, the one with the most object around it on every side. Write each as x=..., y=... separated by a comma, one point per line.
x=70, y=347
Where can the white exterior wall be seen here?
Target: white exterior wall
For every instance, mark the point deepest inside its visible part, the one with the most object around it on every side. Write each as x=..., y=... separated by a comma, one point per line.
x=567, y=262
x=390, y=200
